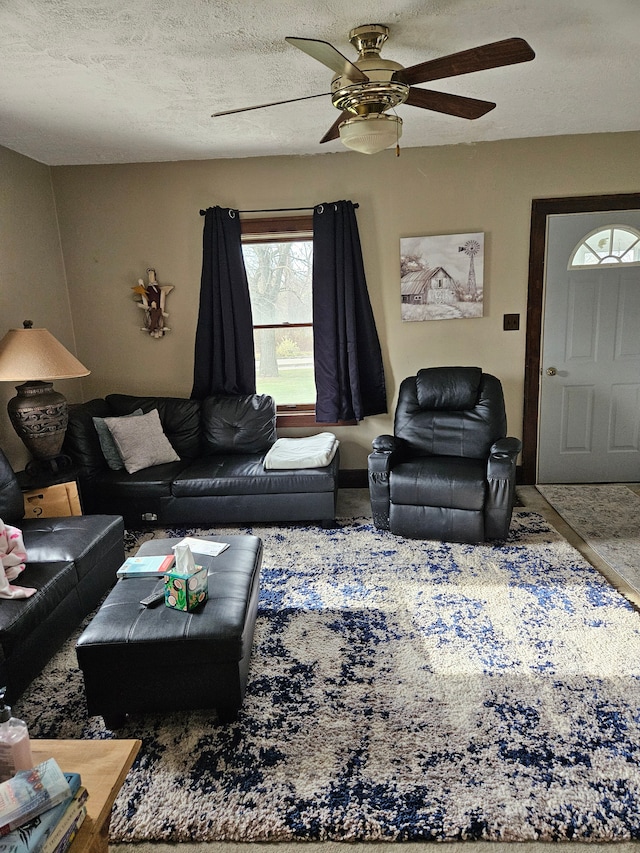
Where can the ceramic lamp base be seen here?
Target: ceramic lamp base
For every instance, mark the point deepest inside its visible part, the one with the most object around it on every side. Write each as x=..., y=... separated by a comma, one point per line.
x=39, y=416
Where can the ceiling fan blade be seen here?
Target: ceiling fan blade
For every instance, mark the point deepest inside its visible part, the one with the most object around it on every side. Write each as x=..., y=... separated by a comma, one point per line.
x=494, y=55
x=271, y=104
x=333, y=132
x=453, y=105
x=328, y=55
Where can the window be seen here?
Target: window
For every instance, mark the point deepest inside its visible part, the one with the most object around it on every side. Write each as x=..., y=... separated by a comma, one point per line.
x=278, y=256
x=610, y=246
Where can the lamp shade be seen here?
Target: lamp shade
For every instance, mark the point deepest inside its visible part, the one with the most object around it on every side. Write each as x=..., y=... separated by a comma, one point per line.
x=38, y=413
x=370, y=134
x=34, y=354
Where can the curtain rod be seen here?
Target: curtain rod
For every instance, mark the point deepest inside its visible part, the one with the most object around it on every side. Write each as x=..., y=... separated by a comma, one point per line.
x=277, y=210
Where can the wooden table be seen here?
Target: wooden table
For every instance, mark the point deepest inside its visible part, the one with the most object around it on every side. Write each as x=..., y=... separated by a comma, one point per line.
x=103, y=766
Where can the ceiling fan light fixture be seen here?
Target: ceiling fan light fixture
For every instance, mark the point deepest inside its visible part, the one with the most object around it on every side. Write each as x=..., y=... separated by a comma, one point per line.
x=372, y=133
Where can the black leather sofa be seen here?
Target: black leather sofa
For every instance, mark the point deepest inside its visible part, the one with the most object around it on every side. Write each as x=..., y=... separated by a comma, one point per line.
x=71, y=562
x=219, y=476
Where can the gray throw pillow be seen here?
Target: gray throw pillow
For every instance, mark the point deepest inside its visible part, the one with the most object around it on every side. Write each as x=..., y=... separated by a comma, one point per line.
x=108, y=445
x=141, y=441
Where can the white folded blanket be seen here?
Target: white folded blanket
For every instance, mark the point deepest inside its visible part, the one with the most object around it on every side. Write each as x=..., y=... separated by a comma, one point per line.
x=313, y=451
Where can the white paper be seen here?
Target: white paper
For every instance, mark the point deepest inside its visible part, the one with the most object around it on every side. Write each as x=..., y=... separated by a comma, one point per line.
x=203, y=546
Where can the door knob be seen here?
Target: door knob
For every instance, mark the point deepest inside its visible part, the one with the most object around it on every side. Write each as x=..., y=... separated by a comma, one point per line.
x=551, y=371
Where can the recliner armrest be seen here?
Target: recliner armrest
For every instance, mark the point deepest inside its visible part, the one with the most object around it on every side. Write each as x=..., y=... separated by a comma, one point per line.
x=387, y=449
x=502, y=458
x=386, y=443
x=501, y=487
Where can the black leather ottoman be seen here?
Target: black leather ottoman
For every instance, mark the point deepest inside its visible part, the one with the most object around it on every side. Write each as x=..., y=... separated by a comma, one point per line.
x=137, y=659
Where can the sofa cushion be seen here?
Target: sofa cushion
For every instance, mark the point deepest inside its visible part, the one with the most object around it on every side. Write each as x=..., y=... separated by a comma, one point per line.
x=440, y=481
x=54, y=581
x=81, y=440
x=154, y=482
x=180, y=419
x=244, y=474
x=443, y=432
x=242, y=424
x=141, y=441
x=82, y=540
x=108, y=445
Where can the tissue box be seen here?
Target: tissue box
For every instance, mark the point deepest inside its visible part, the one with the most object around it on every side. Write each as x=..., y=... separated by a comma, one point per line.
x=185, y=591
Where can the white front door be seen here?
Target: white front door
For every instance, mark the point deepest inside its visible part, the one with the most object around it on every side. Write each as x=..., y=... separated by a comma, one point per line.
x=589, y=425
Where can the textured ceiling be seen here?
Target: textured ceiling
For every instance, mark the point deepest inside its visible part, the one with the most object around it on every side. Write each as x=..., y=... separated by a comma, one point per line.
x=115, y=81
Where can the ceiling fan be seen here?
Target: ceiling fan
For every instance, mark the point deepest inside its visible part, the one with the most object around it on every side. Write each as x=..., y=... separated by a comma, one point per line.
x=365, y=89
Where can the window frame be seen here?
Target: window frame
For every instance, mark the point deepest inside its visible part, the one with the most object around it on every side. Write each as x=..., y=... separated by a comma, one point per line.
x=276, y=229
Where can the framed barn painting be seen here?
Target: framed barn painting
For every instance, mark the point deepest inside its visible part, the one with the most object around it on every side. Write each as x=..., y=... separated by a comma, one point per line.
x=441, y=278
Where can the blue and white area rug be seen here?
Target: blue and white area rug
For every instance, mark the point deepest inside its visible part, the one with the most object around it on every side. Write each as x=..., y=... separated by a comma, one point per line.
x=399, y=690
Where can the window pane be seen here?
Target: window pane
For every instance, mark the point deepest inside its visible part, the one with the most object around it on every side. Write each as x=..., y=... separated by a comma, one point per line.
x=284, y=364
x=622, y=241
x=601, y=242
x=279, y=281
x=584, y=255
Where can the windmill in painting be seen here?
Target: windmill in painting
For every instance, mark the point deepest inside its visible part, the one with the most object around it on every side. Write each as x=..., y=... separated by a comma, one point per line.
x=441, y=278
x=471, y=248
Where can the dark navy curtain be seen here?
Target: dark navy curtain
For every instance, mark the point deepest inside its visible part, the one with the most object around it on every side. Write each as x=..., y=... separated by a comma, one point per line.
x=224, y=355
x=348, y=362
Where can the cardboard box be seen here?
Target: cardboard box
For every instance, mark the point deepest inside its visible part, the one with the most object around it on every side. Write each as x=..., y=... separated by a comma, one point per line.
x=183, y=591
x=52, y=501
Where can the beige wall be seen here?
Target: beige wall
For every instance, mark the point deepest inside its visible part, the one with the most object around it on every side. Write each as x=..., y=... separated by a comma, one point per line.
x=115, y=221
x=32, y=279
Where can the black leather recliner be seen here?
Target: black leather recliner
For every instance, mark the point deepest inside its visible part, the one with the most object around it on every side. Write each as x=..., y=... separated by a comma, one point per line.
x=448, y=472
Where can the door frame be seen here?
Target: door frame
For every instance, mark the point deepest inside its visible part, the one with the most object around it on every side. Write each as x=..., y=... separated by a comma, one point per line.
x=541, y=209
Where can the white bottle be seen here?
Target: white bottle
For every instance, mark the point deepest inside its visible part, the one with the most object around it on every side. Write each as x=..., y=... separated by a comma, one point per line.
x=15, y=747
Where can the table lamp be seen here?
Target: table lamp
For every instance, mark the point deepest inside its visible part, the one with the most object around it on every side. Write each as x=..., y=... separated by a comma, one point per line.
x=38, y=413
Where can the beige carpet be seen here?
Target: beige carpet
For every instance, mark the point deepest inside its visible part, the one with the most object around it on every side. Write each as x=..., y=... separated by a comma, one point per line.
x=607, y=517
x=530, y=498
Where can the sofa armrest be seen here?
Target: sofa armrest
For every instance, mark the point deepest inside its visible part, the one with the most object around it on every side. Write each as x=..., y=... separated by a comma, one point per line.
x=387, y=450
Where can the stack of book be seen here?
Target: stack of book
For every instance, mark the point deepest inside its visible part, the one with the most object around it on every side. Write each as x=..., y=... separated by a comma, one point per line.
x=41, y=810
x=145, y=567
x=153, y=566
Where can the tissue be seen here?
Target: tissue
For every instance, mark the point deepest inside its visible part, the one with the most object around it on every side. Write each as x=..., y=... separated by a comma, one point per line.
x=185, y=584
x=185, y=564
